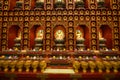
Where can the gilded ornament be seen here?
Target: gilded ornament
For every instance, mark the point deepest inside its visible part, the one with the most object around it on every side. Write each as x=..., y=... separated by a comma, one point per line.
x=76, y=65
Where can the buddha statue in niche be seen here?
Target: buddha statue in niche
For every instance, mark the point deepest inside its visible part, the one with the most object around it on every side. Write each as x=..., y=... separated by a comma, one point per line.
x=39, y=34
x=59, y=40
x=59, y=35
x=17, y=40
x=39, y=40
x=80, y=40
x=102, y=41
x=79, y=35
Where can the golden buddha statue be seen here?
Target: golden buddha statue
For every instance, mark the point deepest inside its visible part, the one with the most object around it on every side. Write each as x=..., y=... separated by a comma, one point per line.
x=59, y=35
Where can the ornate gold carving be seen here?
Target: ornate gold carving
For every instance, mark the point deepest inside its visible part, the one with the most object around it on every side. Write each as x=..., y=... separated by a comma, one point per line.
x=70, y=6
x=3, y=47
x=53, y=18
x=10, y=13
x=114, y=6
x=48, y=42
x=70, y=23
x=70, y=42
x=20, y=18
x=94, y=47
x=70, y=30
x=27, y=7
x=5, y=7
x=115, y=24
x=98, y=18
x=48, y=30
x=109, y=18
x=93, y=24
x=70, y=47
x=4, y=42
x=98, y=12
x=4, y=30
x=26, y=24
x=25, y=36
x=70, y=36
x=6, y=2
x=86, y=12
x=31, y=18
x=104, y=18
x=5, y=13
x=116, y=30
x=117, y=47
x=92, y=6
x=48, y=36
x=93, y=30
x=93, y=42
x=107, y=66
x=47, y=47
x=5, y=24
x=87, y=18
x=4, y=36
x=76, y=12
x=116, y=42
x=59, y=18
x=116, y=35
x=48, y=6
x=25, y=30
x=25, y=42
x=64, y=12
x=92, y=17
x=84, y=66
x=31, y=12
x=65, y=18
x=43, y=18
x=94, y=36
x=115, y=18
x=42, y=12
x=5, y=18
x=76, y=65
x=10, y=18
x=109, y=12
x=48, y=24
x=37, y=18
x=26, y=12
x=70, y=17
x=75, y=17
x=92, y=65
x=81, y=18
x=15, y=18
x=70, y=12
x=92, y=12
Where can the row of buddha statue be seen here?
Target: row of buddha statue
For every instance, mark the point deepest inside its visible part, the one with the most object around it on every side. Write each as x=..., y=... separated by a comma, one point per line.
x=59, y=40
x=60, y=3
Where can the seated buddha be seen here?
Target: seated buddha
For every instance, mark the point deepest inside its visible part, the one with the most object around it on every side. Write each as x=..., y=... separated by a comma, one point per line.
x=79, y=35
x=59, y=35
x=39, y=35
